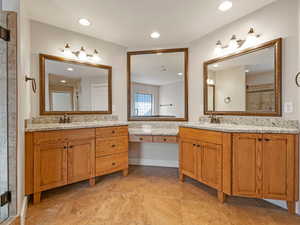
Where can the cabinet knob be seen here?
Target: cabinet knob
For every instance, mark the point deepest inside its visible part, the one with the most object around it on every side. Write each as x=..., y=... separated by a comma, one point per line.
x=72, y=146
x=113, y=164
x=165, y=139
x=259, y=139
x=113, y=132
x=198, y=146
x=113, y=146
x=141, y=139
x=267, y=139
x=65, y=147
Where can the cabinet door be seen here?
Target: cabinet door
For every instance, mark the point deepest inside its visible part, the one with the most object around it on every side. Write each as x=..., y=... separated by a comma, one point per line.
x=247, y=165
x=188, y=158
x=209, y=165
x=50, y=166
x=278, y=157
x=81, y=160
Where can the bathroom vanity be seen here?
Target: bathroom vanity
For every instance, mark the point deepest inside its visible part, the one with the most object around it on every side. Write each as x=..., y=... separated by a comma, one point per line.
x=58, y=157
x=246, y=161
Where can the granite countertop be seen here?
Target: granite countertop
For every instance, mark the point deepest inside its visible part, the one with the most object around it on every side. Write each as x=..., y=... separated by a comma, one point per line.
x=232, y=128
x=168, y=131
x=73, y=125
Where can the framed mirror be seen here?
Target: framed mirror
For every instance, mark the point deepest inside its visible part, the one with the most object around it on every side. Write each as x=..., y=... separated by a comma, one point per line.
x=245, y=83
x=72, y=87
x=158, y=85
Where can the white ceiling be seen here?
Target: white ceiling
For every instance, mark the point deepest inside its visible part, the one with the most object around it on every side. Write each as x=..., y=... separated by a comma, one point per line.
x=157, y=69
x=130, y=22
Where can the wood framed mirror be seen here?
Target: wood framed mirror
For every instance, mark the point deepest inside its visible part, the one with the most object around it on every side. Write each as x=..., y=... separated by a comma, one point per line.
x=71, y=87
x=247, y=83
x=158, y=85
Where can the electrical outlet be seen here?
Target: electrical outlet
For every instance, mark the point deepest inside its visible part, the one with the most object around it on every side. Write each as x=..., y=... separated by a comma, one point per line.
x=288, y=107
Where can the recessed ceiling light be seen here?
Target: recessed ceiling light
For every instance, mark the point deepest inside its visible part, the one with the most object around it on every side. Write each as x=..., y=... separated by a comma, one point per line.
x=63, y=81
x=180, y=74
x=225, y=5
x=155, y=35
x=84, y=22
x=70, y=69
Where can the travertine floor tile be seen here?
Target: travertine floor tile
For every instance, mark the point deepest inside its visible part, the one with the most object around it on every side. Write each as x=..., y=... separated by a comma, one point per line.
x=150, y=196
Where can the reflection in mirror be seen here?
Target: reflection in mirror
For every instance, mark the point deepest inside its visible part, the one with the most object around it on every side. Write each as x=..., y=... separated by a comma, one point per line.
x=157, y=85
x=75, y=87
x=245, y=83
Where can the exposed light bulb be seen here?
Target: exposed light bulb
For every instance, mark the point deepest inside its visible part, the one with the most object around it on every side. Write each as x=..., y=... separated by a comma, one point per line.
x=82, y=55
x=96, y=56
x=67, y=51
x=251, y=38
x=233, y=44
x=218, y=49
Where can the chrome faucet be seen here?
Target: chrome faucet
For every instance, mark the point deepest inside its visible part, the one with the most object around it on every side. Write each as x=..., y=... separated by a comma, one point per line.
x=65, y=119
x=214, y=118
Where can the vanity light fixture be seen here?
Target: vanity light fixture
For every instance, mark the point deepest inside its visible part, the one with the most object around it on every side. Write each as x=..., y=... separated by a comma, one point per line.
x=225, y=5
x=70, y=69
x=63, y=81
x=84, y=22
x=236, y=43
x=155, y=35
x=233, y=44
x=81, y=54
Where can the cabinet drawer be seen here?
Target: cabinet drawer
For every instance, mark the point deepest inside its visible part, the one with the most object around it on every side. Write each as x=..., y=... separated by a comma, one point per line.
x=140, y=138
x=107, y=132
x=165, y=139
x=63, y=135
x=111, y=146
x=111, y=163
x=201, y=135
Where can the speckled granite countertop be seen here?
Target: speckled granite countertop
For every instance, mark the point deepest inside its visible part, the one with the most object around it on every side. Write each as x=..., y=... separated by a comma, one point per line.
x=168, y=131
x=232, y=128
x=74, y=125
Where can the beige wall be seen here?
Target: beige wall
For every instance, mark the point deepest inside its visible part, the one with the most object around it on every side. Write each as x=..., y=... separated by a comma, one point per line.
x=50, y=40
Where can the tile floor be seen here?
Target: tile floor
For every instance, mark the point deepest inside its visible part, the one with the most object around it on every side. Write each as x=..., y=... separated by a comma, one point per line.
x=150, y=196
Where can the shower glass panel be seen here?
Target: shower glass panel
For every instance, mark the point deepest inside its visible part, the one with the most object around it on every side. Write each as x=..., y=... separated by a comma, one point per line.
x=3, y=120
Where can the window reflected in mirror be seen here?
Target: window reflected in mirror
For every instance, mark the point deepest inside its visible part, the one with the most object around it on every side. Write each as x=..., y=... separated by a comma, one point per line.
x=246, y=83
x=75, y=87
x=157, y=85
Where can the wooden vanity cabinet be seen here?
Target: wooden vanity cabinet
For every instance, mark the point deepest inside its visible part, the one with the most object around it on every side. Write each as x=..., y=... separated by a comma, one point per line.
x=266, y=166
x=57, y=158
x=201, y=157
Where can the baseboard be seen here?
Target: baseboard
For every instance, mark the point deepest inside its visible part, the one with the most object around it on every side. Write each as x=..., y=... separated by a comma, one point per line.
x=282, y=204
x=12, y=221
x=151, y=162
x=24, y=211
